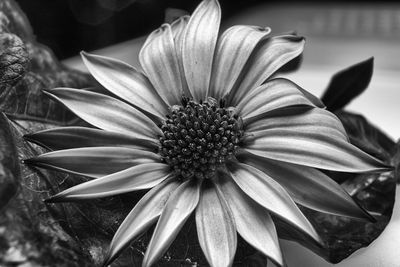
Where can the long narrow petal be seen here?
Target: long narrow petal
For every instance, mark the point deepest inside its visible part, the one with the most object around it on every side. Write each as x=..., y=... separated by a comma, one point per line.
x=75, y=137
x=233, y=49
x=317, y=120
x=139, y=177
x=143, y=215
x=215, y=227
x=319, y=145
x=177, y=210
x=126, y=82
x=106, y=112
x=271, y=54
x=274, y=94
x=178, y=28
x=93, y=161
x=198, y=47
x=253, y=222
x=308, y=187
x=269, y=194
x=159, y=60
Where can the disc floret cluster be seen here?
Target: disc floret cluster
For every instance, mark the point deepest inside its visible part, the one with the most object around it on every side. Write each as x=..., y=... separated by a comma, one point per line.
x=199, y=137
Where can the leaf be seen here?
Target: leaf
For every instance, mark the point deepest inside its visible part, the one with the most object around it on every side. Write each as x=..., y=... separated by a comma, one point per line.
x=27, y=67
x=348, y=84
x=13, y=20
x=9, y=168
x=13, y=59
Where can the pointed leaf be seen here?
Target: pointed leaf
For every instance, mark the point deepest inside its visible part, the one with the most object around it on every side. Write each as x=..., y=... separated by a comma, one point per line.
x=233, y=49
x=139, y=177
x=177, y=210
x=270, y=54
x=159, y=60
x=93, y=161
x=252, y=221
x=75, y=137
x=142, y=216
x=106, y=112
x=309, y=187
x=198, y=47
x=126, y=82
x=348, y=84
x=269, y=194
x=215, y=227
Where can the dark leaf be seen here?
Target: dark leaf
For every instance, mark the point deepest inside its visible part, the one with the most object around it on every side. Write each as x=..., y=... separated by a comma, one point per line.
x=27, y=68
x=13, y=59
x=9, y=165
x=13, y=20
x=347, y=84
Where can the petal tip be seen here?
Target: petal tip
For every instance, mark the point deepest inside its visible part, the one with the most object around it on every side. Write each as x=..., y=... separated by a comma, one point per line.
x=84, y=54
x=52, y=199
x=108, y=259
x=28, y=137
x=30, y=161
x=60, y=197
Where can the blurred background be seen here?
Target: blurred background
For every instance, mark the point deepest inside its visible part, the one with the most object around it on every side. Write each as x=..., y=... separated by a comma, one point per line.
x=69, y=26
x=338, y=34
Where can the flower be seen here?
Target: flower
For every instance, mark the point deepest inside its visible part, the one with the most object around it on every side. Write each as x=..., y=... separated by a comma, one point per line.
x=208, y=131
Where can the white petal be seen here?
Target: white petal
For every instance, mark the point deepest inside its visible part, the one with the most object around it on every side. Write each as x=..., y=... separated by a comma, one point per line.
x=233, y=49
x=178, y=28
x=269, y=194
x=318, y=120
x=93, y=162
x=198, y=47
x=142, y=216
x=106, y=113
x=274, y=94
x=159, y=60
x=308, y=186
x=126, y=82
x=312, y=140
x=139, y=177
x=215, y=227
x=253, y=222
x=86, y=137
x=177, y=210
x=270, y=55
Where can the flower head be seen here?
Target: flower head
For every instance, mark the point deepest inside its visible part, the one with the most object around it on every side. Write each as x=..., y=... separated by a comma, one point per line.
x=208, y=131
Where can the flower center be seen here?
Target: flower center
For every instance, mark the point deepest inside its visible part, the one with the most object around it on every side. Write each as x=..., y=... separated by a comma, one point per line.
x=199, y=137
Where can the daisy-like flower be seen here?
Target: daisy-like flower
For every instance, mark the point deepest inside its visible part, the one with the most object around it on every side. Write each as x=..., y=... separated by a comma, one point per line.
x=209, y=132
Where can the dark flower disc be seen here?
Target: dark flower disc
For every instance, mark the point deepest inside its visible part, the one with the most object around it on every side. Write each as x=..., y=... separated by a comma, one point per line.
x=198, y=137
